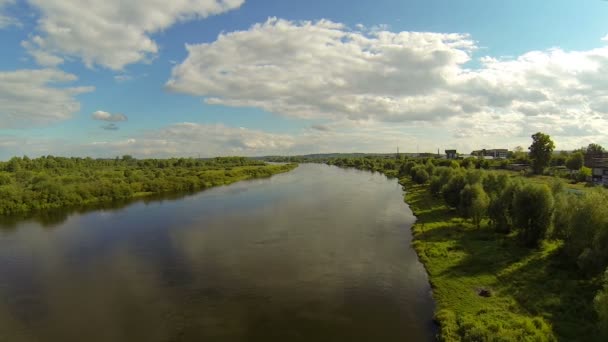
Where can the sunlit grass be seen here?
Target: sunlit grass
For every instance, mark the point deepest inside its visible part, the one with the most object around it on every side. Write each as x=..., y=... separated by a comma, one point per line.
x=532, y=297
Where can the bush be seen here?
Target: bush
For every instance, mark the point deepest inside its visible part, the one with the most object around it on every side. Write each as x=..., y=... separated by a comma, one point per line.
x=583, y=225
x=533, y=210
x=420, y=175
x=474, y=202
x=451, y=190
x=601, y=307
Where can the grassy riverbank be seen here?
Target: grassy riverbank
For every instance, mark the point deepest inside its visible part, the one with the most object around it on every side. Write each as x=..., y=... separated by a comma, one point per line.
x=531, y=295
x=28, y=185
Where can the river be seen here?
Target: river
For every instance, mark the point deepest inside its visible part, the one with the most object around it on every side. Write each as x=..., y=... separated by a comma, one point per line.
x=316, y=254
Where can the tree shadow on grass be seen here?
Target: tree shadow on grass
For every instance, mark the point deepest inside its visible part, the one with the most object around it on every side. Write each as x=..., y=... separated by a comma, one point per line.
x=543, y=285
x=538, y=280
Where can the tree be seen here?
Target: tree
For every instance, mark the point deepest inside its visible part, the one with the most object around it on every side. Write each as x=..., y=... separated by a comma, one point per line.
x=540, y=151
x=575, y=161
x=451, y=190
x=533, y=211
x=518, y=155
x=601, y=307
x=595, y=148
x=474, y=202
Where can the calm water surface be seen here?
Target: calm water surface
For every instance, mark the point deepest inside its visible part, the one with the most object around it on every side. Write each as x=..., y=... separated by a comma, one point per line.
x=317, y=254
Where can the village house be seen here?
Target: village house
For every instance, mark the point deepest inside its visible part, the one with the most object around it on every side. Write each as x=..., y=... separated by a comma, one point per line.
x=451, y=154
x=498, y=153
x=598, y=163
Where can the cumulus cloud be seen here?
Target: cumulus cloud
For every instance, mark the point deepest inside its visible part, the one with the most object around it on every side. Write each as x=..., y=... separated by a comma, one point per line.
x=323, y=69
x=111, y=33
x=192, y=139
x=326, y=70
x=33, y=97
x=105, y=116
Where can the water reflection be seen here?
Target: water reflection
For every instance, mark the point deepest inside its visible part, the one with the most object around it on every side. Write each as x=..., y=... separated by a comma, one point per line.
x=54, y=217
x=318, y=254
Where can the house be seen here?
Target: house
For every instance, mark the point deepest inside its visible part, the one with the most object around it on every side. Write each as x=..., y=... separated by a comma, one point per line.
x=451, y=154
x=498, y=153
x=598, y=163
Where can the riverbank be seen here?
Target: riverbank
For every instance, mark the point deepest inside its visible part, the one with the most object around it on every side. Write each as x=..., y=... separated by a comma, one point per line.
x=487, y=287
x=32, y=185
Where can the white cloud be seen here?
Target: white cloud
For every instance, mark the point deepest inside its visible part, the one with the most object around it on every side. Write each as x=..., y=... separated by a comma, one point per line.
x=323, y=69
x=105, y=116
x=605, y=38
x=191, y=139
x=326, y=70
x=111, y=33
x=30, y=97
x=6, y=20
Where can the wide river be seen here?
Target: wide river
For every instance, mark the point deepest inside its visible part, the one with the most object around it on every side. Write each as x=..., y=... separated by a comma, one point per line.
x=316, y=254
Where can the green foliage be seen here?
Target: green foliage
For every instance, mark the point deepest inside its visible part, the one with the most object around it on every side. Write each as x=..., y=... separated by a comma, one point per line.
x=541, y=151
x=601, y=307
x=538, y=293
x=51, y=182
x=533, y=212
x=451, y=190
x=419, y=174
x=474, y=202
x=595, y=148
x=583, y=225
x=575, y=161
x=583, y=174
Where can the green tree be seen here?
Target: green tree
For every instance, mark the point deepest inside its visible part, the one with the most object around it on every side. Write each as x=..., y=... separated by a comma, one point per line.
x=533, y=210
x=601, y=307
x=474, y=202
x=540, y=151
x=575, y=161
x=451, y=190
x=595, y=148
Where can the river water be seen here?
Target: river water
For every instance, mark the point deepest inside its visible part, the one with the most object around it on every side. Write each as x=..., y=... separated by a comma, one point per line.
x=316, y=254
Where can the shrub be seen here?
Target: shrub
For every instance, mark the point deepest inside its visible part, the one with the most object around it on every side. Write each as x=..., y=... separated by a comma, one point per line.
x=533, y=210
x=601, y=307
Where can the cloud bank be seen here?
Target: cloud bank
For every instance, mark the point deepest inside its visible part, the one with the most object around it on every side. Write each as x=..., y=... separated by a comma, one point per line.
x=110, y=33
x=34, y=97
x=326, y=70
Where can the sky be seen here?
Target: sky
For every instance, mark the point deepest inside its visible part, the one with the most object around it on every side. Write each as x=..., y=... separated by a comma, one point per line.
x=203, y=78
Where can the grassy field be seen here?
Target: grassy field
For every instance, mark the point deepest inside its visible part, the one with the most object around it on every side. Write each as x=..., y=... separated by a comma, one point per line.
x=549, y=180
x=490, y=288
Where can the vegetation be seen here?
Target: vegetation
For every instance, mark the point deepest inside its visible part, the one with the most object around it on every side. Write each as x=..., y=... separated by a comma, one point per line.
x=510, y=256
x=540, y=151
x=28, y=185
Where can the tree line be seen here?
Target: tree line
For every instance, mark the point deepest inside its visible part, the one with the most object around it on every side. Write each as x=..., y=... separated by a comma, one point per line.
x=52, y=182
x=530, y=209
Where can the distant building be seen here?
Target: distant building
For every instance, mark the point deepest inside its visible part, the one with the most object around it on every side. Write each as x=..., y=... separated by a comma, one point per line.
x=451, y=154
x=598, y=163
x=498, y=153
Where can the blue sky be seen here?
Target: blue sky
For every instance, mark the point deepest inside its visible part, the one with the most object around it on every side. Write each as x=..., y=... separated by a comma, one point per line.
x=102, y=78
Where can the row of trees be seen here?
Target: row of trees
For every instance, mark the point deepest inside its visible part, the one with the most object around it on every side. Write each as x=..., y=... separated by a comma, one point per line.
x=534, y=211
x=529, y=208
x=52, y=182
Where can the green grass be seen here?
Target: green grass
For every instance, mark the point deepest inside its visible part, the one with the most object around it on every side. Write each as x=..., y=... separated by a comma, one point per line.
x=533, y=297
x=548, y=180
